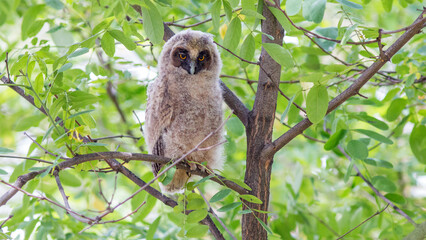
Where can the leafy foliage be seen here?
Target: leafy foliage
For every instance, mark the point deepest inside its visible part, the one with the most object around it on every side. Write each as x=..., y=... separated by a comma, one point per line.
x=89, y=63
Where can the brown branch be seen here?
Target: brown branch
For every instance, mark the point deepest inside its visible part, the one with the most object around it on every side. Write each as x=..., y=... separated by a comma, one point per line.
x=235, y=104
x=374, y=189
x=312, y=34
x=211, y=210
x=82, y=217
x=173, y=23
x=65, y=198
x=352, y=90
x=249, y=81
x=4, y=221
x=27, y=158
x=366, y=220
x=235, y=55
x=116, y=136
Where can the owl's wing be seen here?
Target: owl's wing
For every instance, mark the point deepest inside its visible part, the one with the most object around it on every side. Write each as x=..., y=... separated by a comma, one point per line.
x=158, y=150
x=163, y=117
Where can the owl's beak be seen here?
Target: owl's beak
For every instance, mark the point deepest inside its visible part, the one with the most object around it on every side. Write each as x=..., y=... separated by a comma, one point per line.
x=192, y=67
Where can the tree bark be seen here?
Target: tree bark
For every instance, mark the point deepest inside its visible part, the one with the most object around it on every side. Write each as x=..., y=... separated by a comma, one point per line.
x=259, y=131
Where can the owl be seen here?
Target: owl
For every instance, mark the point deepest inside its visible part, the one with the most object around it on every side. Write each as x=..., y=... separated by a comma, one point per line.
x=185, y=104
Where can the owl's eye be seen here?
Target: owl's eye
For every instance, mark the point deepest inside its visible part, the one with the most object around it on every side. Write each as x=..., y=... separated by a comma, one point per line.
x=182, y=56
x=201, y=58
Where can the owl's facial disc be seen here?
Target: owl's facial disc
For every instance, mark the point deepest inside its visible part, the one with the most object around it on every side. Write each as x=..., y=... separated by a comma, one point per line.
x=181, y=58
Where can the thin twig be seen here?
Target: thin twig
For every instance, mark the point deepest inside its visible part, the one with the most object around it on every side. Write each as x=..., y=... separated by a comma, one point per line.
x=41, y=147
x=323, y=223
x=83, y=218
x=116, y=136
x=7, y=219
x=235, y=55
x=317, y=35
x=366, y=220
x=211, y=210
x=26, y=158
x=375, y=190
x=111, y=221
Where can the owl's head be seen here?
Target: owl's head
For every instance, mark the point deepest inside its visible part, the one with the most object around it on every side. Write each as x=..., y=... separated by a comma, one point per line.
x=191, y=52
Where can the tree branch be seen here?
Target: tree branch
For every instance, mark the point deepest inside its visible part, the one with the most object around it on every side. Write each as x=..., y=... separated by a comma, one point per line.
x=350, y=91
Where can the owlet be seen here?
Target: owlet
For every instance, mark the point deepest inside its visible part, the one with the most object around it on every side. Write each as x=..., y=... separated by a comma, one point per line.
x=185, y=104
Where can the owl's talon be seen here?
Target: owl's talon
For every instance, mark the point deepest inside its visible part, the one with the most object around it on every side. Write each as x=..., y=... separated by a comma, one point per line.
x=193, y=166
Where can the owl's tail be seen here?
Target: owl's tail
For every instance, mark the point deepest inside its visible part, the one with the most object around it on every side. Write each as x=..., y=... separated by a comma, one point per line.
x=178, y=182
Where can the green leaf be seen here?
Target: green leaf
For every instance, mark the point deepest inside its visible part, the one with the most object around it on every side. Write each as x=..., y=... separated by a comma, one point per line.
x=387, y=5
x=229, y=207
x=378, y=163
x=330, y=32
x=79, y=99
x=348, y=33
x=371, y=120
x=251, y=198
x=293, y=7
x=215, y=12
x=79, y=52
x=235, y=127
x=167, y=176
x=146, y=209
x=396, y=198
x=126, y=41
x=335, y=68
x=108, y=45
x=228, y=9
x=5, y=150
x=198, y=231
x=2, y=172
x=38, y=83
x=80, y=113
x=290, y=103
x=375, y=136
x=264, y=226
x=395, y=109
x=313, y=10
x=69, y=179
x=102, y=25
x=279, y=54
x=418, y=143
x=317, y=103
x=357, y=149
x=334, y=139
x=64, y=67
x=252, y=13
x=233, y=35
x=348, y=172
x=350, y=4
x=245, y=211
x=203, y=180
x=56, y=4
x=240, y=183
x=153, y=228
x=285, y=23
x=19, y=65
x=26, y=122
x=152, y=22
x=29, y=19
x=247, y=50
x=383, y=183
x=195, y=204
x=197, y=215
x=220, y=195
x=384, y=164
x=35, y=28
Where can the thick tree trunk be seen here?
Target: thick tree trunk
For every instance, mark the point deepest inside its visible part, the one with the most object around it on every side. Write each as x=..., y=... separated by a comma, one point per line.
x=259, y=131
